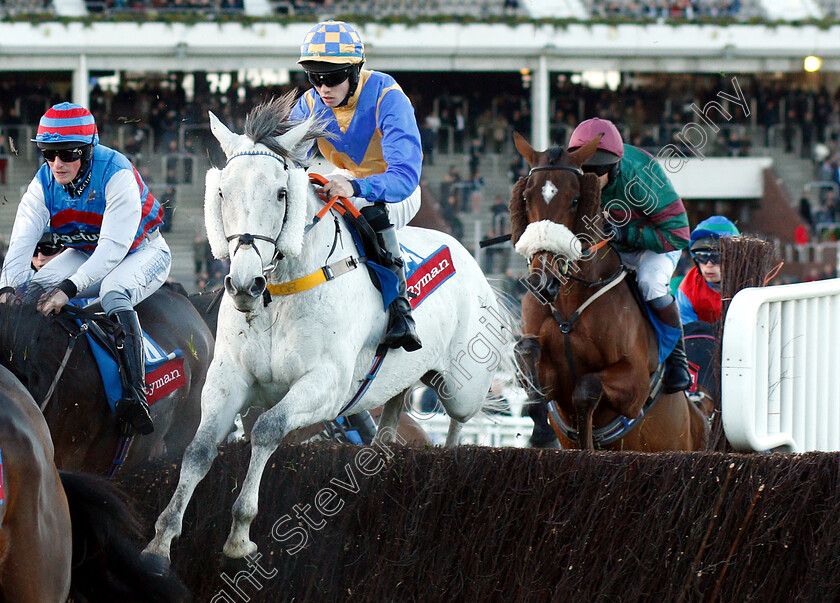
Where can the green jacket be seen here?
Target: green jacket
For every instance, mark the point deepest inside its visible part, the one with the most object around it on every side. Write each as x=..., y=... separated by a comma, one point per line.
x=643, y=198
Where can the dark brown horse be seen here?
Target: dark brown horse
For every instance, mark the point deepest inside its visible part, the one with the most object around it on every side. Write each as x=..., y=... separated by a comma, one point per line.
x=85, y=431
x=593, y=352
x=62, y=532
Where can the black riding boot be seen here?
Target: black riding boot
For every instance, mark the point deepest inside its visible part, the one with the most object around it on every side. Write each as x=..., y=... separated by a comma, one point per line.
x=402, y=332
x=677, y=376
x=132, y=407
x=527, y=352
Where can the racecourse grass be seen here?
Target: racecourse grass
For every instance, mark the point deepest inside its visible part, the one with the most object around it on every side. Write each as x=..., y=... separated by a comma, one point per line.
x=484, y=524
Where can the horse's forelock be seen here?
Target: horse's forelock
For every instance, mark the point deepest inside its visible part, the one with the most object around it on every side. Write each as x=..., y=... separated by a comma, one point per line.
x=271, y=119
x=554, y=154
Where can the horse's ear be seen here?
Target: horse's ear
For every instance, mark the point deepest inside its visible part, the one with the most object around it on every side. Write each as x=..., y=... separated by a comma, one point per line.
x=213, y=215
x=225, y=137
x=581, y=155
x=291, y=140
x=525, y=149
x=518, y=211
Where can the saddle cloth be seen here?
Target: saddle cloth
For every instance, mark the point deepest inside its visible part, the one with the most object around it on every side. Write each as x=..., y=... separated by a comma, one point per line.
x=667, y=337
x=423, y=275
x=164, y=372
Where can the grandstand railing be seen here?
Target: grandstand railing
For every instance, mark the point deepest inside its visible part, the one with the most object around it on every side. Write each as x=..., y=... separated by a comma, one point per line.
x=781, y=368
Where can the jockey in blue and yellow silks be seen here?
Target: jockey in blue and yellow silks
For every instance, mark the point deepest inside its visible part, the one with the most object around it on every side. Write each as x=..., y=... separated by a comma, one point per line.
x=374, y=142
x=93, y=201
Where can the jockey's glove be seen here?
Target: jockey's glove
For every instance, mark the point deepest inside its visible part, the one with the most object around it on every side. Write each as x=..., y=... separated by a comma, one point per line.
x=616, y=234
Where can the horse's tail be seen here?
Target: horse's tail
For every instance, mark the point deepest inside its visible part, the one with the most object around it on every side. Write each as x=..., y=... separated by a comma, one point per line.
x=107, y=565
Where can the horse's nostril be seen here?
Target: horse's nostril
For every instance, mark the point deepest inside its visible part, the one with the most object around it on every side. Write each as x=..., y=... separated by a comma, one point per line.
x=535, y=281
x=230, y=288
x=258, y=286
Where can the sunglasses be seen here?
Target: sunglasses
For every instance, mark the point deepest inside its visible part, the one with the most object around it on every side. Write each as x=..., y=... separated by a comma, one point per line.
x=704, y=257
x=598, y=170
x=333, y=78
x=66, y=155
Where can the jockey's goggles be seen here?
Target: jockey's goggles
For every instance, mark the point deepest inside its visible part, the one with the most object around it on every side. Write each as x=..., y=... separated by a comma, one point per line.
x=329, y=79
x=598, y=170
x=704, y=257
x=66, y=155
x=47, y=248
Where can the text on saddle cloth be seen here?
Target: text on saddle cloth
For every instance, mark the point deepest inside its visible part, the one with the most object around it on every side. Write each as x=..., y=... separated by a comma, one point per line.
x=424, y=275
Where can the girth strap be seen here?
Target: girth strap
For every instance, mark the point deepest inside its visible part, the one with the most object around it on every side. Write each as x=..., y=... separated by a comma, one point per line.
x=618, y=427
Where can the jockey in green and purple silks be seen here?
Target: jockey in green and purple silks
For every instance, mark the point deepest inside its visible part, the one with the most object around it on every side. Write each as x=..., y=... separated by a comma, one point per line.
x=374, y=142
x=647, y=223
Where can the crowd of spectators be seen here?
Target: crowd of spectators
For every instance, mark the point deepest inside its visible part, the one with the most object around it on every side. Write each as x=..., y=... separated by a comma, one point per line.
x=164, y=131
x=673, y=9
x=649, y=9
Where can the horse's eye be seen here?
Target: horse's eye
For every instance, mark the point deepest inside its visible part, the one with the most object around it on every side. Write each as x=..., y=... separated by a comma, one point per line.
x=575, y=200
x=281, y=195
x=221, y=196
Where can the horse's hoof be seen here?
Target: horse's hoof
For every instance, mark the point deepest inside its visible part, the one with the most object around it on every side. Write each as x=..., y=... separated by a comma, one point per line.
x=156, y=564
x=234, y=565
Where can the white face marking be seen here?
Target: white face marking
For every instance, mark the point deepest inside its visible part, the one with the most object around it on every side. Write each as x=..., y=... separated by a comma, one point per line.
x=548, y=191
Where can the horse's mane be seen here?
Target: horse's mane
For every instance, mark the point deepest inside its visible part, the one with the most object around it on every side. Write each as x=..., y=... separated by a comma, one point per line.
x=518, y=213
x=589, y=204
x=271, y=119
x=21, y=325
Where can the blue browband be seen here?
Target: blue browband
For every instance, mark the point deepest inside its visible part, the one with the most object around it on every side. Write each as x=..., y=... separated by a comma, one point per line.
x=279, y=158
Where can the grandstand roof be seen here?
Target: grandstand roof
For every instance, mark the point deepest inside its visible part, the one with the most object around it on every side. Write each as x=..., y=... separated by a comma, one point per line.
x=432, y=47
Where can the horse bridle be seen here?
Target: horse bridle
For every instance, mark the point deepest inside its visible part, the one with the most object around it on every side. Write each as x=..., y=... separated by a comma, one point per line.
x=247, y=239
x=589, y=250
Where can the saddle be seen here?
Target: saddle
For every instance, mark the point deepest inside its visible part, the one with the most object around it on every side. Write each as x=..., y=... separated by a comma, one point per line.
x=164, y=371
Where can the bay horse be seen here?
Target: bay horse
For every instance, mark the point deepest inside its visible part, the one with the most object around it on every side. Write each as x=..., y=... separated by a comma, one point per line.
x=86, y=432
x=62, y=533
x=302, y=353
x=593, y=350
x=207, y=304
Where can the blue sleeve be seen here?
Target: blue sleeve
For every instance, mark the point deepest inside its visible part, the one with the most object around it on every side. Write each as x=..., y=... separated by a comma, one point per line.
x=301, y=109
x=401, y=150
x=687, y=313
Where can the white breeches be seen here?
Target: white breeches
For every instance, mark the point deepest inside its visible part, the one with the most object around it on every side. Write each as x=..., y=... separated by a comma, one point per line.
x=140, y=274
x=653, y=270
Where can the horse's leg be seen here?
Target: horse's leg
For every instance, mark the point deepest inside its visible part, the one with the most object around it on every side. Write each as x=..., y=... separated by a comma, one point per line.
x=297, y=408
x=585, y=397
x=389, y=420
x=700, y=427
x=224, y=394
x=453, y=436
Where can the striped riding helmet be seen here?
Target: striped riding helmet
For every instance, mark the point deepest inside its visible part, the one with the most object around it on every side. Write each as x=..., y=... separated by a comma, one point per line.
x=333, y=42
x=706, y=235
x=66, y=125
